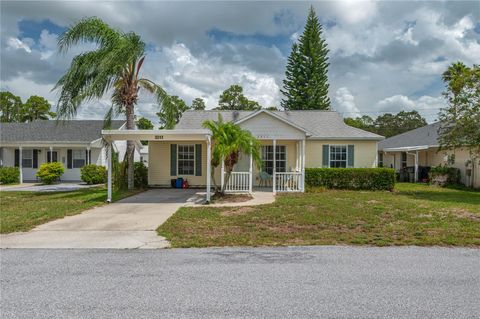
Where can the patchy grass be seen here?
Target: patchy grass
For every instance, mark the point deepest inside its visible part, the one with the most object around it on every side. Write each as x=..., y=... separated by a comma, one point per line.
x=413, y=214
x=22, y=211
x=230, y=198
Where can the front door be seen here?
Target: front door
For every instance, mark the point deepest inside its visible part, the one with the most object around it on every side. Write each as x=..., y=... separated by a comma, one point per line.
x=52, y=156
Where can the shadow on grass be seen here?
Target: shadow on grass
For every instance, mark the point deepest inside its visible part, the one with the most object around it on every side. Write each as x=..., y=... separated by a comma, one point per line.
x=446, y=195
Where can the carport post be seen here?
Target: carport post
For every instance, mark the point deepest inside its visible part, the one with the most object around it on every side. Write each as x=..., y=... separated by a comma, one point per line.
x=416, y=166
x=20, y=166
x=209, y=166
x=109, y=177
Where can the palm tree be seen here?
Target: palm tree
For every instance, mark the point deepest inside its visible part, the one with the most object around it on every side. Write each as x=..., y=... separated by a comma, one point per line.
x=112, y=67
x=228, y=141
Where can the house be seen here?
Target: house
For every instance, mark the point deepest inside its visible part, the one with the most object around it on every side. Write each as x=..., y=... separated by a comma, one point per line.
x=296, y=139
x=74, y=143
x=415, y=151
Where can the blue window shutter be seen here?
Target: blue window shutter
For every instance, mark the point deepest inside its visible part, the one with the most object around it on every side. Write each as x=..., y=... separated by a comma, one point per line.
x=17, y=157
x=69, y=159
x=198, y=159
x=35, y=159
x=325, y=155
x=350, y=154
x=173, y=159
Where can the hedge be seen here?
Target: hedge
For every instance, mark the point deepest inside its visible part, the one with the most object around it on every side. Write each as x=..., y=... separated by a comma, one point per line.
x=93, y=174
x=351, y=178
x=140, y=175
x=9, y=175
x=49, y=173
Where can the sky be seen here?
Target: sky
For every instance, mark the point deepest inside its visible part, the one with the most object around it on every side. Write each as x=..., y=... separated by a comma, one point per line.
x=384, y=56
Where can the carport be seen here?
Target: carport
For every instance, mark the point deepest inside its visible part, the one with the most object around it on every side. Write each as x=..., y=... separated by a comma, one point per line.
x=200, y=135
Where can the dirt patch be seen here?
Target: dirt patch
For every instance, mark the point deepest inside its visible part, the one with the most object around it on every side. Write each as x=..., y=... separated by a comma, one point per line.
x=373, y=201
x=237, y=211
x=231, y=198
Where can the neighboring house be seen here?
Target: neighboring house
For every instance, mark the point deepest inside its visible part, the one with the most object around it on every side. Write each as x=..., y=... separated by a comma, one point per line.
x=297, y=139
x=74, y=143
x=418, y=150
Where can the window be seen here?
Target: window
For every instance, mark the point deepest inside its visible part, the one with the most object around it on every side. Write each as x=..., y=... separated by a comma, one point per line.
x=267, y=158
x=338, y=156
x=186, y=160
x=78, y=158
x=27, y=158
x=404, y=159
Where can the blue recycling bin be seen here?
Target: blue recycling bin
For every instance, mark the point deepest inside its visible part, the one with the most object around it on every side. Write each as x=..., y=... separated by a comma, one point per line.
x=179, y=183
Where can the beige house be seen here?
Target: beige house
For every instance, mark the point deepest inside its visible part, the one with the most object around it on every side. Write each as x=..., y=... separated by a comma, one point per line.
x=73, y=143
x=417, y=150
x=295, y=139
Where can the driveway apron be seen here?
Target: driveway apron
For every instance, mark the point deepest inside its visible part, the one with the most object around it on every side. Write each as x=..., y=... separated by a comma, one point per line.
x=129, y=223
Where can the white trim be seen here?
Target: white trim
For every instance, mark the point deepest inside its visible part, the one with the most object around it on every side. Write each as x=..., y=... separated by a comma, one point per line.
x=344, y=138
x=407, y=148
x=109, y=172
x=273, y=115
x=209, y=167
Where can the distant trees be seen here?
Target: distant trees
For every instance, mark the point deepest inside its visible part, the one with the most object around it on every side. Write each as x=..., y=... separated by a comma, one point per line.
x=171, y=112
x=306, y=78
x=198, y=104
x=388, y=124
x=233, y=99
x=144, y=124
x=13, y=110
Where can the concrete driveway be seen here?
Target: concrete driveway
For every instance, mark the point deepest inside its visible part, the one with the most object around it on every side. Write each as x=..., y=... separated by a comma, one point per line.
x=129, y=223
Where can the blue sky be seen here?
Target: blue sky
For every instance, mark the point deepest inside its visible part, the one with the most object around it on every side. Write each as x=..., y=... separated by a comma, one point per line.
x=384, y=56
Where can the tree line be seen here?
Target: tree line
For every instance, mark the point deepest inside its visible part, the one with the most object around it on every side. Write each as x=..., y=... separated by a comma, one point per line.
x=13, y=110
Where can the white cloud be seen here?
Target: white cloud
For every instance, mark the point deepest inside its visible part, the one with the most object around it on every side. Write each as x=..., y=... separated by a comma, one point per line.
x=428, y=106
x=345, y=102
x=15, y=43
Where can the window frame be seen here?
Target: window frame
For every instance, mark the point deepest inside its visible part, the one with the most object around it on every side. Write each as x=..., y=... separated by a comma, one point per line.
x=193, y=160
x=380, y=159
x=277, y=161
x=24, y=151
x=403, y=163
x=336, y=160
x=78, y=159
x=51, y=157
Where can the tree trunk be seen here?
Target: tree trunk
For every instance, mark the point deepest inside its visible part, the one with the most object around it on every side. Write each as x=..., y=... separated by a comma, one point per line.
x=130, y=146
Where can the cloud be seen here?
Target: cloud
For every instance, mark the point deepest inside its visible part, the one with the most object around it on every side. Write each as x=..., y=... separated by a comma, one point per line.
x=427, y=106
x=14, y=43
x=345, y=103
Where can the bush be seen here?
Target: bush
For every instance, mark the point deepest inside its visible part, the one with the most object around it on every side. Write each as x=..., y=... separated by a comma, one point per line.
x=93, y=174
x=444, y=175
x=351, y=178
x=50, y=172
x=141, y=175
x=9, y=175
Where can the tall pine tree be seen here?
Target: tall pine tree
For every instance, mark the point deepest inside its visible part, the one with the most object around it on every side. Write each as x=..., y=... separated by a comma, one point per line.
x=306, y=81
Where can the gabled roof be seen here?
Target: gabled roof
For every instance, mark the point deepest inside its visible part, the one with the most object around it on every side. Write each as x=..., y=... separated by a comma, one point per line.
x=422, y=136
x=317, y=124
x=69, y=131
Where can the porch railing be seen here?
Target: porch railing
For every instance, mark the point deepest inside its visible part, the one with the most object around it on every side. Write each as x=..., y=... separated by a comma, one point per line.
x=239, y=182
x=288, y=181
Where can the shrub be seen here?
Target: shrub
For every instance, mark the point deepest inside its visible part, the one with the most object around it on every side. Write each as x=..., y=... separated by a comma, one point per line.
x=351, y=178
x=50, y=172
x=93, y=174
x=444, y=175
x=9, y=175
x=141, y=175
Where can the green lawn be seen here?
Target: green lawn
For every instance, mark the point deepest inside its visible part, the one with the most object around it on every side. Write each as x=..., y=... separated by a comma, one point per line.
x=22, y=211
x=411, y=215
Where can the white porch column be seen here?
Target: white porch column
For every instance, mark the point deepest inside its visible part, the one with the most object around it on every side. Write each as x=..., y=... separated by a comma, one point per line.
x=416, y=166
x=274, y=179
x=51, y=153
x=20, y=166
x=209, y=166
x=109, y=173
x=250, y=180
x=87, y=160
x=297, y=156
x=222, y=173
x=303, y=165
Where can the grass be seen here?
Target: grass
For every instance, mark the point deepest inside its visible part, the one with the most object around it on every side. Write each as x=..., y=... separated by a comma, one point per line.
x=413, y=214
x=22, y=211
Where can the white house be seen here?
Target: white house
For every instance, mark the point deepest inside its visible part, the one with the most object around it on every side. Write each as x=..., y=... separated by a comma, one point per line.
x=418, y=150
x=291, y=141
x=74, y=143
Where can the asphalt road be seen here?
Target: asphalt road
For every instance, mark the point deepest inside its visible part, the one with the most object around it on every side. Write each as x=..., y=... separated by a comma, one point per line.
x=302, y=282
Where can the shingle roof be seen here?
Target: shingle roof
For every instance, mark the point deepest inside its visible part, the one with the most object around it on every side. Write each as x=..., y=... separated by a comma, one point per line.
x=318, y=124
x=71, y=131
x=422, y=136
